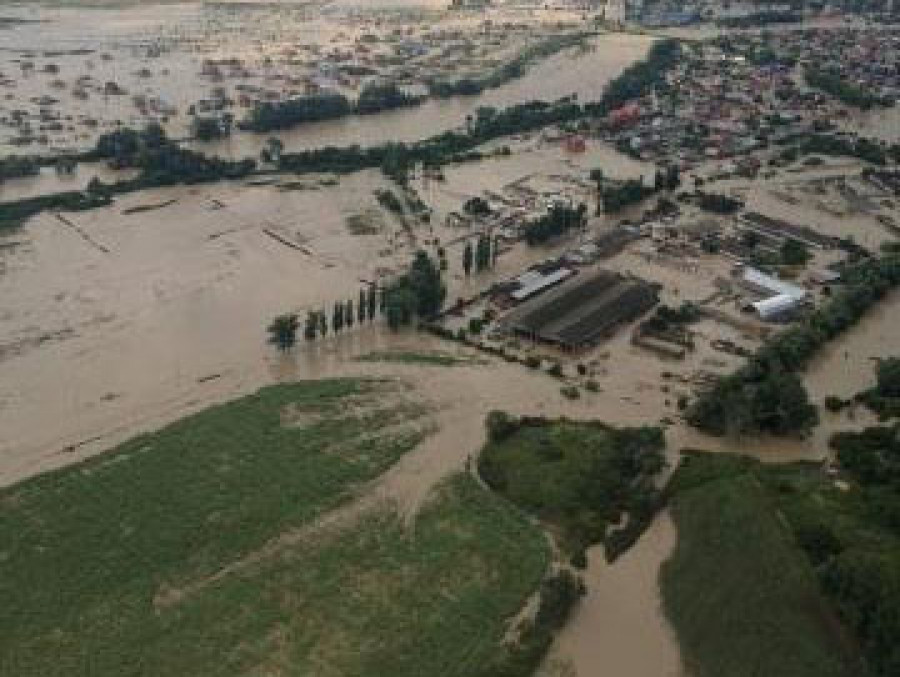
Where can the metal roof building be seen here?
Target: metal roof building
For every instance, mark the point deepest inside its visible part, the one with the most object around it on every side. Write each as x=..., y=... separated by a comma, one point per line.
x=582, y=311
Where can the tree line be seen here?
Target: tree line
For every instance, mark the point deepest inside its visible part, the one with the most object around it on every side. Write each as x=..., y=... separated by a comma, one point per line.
x=482, y=256
x=766, y=394
x=418, y=293
x=559, y=219
x=268, y=116
x=171, y=165
x=490, y=124
x=471, y=85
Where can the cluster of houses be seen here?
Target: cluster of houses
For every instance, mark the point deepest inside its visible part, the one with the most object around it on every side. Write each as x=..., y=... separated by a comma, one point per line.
x=741, y=93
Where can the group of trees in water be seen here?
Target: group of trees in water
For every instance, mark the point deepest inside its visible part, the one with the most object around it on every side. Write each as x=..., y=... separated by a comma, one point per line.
x=476, y=84
x=491, y=124
x=482, y=256
x=616, y=196
x=376, y=97
x=18, y=166
x=162, y=162
x=559, y=219
x=418, y=293
x=766, y=394
x=268, y=116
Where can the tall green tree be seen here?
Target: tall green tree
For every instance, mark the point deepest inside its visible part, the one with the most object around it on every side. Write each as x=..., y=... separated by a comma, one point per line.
x=349, y=317
x=323, y=322
x=337, y=317
x=467, y=258
x=283, y=331
x=482, y=253
x=362, y=306
x=311, y=328
x=373, y=301
x=419, y=293
x=425, y=281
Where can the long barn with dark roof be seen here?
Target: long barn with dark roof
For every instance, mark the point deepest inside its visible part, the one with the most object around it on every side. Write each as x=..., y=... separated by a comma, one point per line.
x=583, y=311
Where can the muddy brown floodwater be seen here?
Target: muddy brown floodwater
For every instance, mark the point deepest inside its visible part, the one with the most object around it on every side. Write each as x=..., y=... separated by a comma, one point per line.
x=582, y=73
x=619, y=628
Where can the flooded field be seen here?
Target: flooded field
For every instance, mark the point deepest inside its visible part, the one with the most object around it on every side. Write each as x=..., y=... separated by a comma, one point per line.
x=97, y=69
x=121, y=319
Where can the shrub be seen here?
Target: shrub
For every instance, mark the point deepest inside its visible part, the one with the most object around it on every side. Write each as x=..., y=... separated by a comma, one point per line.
x=500, y=425
x=834, y=404
x=570, y=392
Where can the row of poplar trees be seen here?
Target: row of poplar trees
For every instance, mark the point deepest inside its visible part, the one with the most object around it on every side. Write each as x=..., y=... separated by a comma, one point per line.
x=419, y=293
x=482, y=256
x=343, y=314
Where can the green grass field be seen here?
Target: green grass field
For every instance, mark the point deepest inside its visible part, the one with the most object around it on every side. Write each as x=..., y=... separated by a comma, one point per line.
x=580, y=478
x=196, y=551
x=740, y=593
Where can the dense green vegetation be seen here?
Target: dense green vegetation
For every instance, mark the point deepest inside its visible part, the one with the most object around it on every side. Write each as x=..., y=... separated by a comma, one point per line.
x=378, y=97
x=559, y=220
x=15, y=213
x=833, y=84
x=516, y=68
x=419, y=293
x=269, y=116
x=884, y=398
x=283, y=331
x=766, y=395
x=210, y=128
x=740, y=593
x=634, y=81
x=163, y=163
x=718, y=203
x=742, y=526
x=590, y=483
x=853, y=537
x=18, y=166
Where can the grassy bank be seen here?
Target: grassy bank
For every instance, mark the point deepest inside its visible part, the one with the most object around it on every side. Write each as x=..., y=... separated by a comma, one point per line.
x=587, y=482
x=191, y=551
x=741, y=594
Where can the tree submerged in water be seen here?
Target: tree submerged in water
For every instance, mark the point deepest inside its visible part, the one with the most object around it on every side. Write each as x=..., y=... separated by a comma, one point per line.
x=283, y=331
x=419, y=293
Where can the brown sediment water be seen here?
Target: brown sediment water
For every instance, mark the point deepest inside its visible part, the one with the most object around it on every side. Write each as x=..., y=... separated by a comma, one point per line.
x=619, y=628
x=158, y=56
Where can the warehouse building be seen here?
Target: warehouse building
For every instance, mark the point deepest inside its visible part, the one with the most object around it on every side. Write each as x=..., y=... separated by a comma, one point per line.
x=582, y=311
